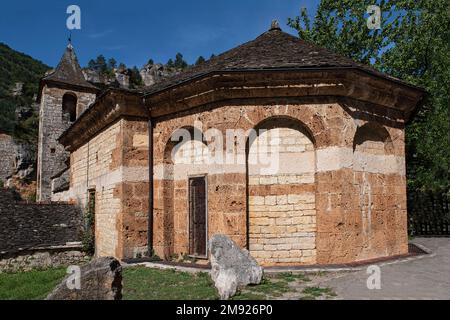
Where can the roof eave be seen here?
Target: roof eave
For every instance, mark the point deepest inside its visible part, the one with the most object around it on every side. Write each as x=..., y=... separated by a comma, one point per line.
x=288, y=69
x=114, y=111
x=89, y=87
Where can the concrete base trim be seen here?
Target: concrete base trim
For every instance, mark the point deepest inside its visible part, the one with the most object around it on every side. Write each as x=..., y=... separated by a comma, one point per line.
x=427, y=253
x=162, y=266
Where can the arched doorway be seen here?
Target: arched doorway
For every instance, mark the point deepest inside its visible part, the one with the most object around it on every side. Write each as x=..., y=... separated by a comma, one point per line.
x=373, y=163
x=281, y=193
x=184, y=187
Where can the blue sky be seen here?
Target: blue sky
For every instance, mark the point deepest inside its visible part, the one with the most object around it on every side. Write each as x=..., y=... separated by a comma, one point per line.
x=133, y=31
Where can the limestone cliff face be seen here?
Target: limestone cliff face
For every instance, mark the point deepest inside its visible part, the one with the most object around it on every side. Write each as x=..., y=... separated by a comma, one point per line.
x=8, y=151
x=17, y=159
x=153, y=73
x=150, y=74
x=120, y=78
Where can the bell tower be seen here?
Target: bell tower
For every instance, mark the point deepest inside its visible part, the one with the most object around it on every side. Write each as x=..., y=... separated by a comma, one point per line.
x=63, y=96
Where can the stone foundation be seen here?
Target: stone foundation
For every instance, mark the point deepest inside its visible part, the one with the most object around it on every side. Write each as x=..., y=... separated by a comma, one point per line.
x=42, y=258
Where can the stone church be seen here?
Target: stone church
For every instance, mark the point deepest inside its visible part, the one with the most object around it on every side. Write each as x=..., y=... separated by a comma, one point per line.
x=156, y=162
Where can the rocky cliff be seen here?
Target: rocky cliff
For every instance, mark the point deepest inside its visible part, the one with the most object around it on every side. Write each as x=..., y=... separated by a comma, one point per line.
x=153, y=73
x=117, y=77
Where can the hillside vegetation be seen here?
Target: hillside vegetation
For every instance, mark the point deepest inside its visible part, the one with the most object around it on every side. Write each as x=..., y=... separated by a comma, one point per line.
x=17, y=117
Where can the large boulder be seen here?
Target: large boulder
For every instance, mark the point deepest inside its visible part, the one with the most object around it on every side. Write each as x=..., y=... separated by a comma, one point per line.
x=231, y=267
x=101, y=279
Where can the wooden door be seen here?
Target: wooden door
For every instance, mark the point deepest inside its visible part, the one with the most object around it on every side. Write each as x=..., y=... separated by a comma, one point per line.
x=197, y=216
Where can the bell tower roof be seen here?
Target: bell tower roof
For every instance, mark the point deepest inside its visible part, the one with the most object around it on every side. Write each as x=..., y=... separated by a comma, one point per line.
x=69, y=71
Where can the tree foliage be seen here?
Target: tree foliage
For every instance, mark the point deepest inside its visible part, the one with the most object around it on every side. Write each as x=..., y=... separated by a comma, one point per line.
x=112, y=63
x=180, y=63
x=200, y=60
x=170, y=63
x=103, y=66
x=16, y=67
x=412, y=44
x=135, y=78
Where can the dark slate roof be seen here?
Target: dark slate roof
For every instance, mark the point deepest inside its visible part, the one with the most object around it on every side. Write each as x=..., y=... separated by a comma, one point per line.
x=273, y=49
x=69, y=71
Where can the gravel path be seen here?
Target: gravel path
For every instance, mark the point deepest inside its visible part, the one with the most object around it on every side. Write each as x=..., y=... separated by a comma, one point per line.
x=426, y=278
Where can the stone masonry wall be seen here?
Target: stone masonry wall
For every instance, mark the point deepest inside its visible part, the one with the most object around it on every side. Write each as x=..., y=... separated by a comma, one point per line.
x=359, y=196
x=43, y=259
x=52, y=123
x=132, y=222
x=353, y=181
x=189, y=160
x=363, y=203
x=282, y=215
x=92, y=168
x=225, y=192
x=115, y=165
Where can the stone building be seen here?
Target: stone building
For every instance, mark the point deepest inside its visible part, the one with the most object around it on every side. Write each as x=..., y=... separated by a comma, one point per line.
x=295, y=152
x=63, y=95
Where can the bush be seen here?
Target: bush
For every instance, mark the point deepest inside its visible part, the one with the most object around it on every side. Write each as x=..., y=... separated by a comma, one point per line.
x=88, y=236
x=32, y=197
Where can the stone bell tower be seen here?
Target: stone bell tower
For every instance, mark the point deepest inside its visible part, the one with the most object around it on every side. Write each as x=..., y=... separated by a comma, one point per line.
x=63, y=96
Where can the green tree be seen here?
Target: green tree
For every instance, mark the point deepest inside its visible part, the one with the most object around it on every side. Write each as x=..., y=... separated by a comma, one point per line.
x=200, y=60
x=15, y=68
x=180, y=63
x=150, y=62
x=122, y=67
x=101, y=65
x=92, y=64
x=112, y=63
x=135, y=78
x=170, y=63
x=7, y=115
x=412, y=44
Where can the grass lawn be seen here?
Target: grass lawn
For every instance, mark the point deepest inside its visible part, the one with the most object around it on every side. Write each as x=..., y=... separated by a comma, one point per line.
x=31, y=285
x=141, y=283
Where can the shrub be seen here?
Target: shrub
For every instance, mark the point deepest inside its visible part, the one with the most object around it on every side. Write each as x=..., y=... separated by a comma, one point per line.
x=88, y=236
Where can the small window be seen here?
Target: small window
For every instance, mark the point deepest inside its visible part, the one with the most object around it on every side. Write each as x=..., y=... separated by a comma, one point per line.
x=69, y=107
x=52, y=150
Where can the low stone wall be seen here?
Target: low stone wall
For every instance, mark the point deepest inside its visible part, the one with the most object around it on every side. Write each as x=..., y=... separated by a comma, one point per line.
x=42, y=258
x=36, y=225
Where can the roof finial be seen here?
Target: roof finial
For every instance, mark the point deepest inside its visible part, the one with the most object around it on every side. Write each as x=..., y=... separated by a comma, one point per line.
x=275, y=25
x=70, y=41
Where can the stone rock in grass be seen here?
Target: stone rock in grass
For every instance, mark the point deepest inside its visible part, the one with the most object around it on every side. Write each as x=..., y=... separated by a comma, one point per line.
x=101, y=279
x=231, y=266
